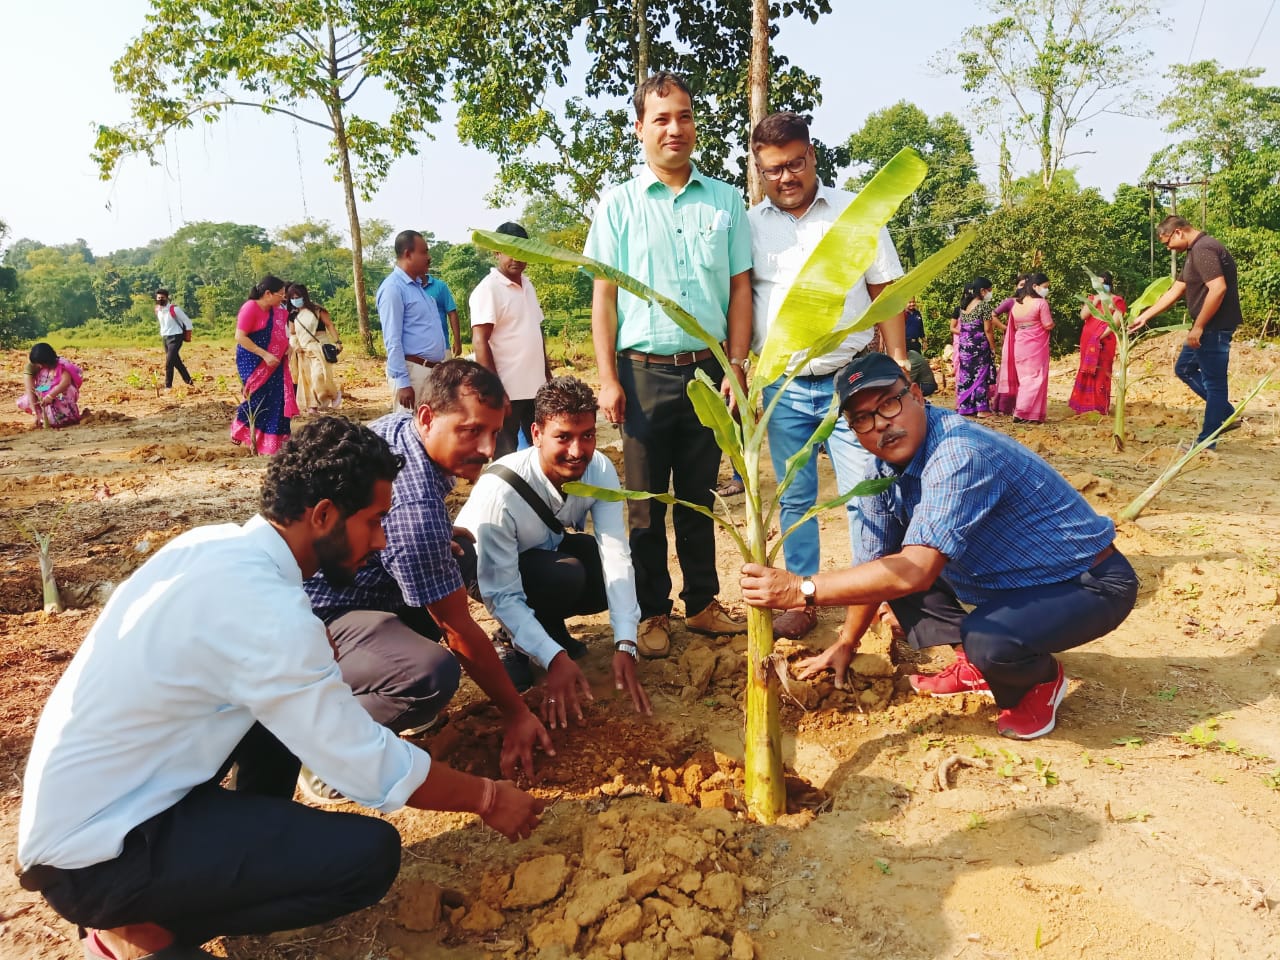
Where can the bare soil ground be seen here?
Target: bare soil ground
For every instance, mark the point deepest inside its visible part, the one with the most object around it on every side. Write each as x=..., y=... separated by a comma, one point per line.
x=1145, y=826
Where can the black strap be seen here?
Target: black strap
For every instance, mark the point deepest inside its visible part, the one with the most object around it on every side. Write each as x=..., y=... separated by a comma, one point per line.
x=521, y=486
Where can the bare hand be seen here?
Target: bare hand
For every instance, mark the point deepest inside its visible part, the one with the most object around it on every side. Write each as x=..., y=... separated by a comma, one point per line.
x=1193, y=338
x=1137, y=325
x=625, y=678
x=726, y=388
x=770, y=587
x=404, y=398
x=515, y=813
x=460, y=533
x=566, y=688
x=836, y=658
x=523, y=731
x=271, y=360
x=613, y=402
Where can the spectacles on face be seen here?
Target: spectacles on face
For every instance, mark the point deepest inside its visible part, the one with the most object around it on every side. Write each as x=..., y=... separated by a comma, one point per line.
x=887, y=409
x=791, y=166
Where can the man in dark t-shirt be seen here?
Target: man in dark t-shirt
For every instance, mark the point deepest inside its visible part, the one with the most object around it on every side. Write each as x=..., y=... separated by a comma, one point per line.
x=1208, y=281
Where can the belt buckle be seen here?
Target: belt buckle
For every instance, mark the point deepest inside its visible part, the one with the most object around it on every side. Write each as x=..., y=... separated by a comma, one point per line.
x=691, y=354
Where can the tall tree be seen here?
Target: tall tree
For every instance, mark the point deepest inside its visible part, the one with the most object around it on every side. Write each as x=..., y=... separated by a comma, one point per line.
x=951, y=194
x=304, y=60
x=1043, y=70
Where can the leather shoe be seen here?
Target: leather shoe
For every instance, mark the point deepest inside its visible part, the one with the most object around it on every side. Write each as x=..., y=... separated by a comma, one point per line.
x=714, y=620
x=653, y=639
x=794, y=624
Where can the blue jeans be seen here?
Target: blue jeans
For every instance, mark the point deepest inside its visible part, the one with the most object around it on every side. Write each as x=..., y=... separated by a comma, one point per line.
x=801, y=409
x=1205, y=372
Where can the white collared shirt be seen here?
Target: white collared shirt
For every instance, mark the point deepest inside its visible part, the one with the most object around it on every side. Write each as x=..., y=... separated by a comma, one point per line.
x=211, y=634
x=780, y=246
x=505, y=525
x=172, y=320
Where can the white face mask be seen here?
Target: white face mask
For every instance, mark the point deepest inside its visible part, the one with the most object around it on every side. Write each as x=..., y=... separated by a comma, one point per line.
x=986, y=296
x=1042, y=291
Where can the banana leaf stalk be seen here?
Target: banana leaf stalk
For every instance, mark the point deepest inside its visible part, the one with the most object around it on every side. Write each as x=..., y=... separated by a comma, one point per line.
x=1118, y=323
x=807, y=326
x=49, y=585
x=1139, y=503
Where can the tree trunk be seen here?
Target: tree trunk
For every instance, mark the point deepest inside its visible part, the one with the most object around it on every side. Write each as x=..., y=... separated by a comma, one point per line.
x=640, y=16
x=343, y=148
x=758, y=85
x=1005, y=172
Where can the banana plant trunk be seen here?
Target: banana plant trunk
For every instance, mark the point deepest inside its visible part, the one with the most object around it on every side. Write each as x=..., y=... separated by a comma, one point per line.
x=52, y=600
x=1121, y=385
x=765, y=789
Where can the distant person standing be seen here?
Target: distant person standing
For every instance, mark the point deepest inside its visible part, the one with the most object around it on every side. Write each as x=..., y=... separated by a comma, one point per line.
x=1209, y=283
x=1091, y=392
x=175, y=330
x=439, y=291
x=313, y=330
x=1023, y=385
x=975, y=367
x=916, y=339
x=506, y=331
x=410, y=319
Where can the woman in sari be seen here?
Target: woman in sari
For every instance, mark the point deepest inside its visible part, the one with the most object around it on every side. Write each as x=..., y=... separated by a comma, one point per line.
x=318, y=387
x=1024, y=370
x=1092, y=390
x=51, y=391
x=262, y=353
x=975, y=366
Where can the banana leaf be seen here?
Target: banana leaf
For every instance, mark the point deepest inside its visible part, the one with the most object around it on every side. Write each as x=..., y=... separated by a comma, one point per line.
x=612, y=495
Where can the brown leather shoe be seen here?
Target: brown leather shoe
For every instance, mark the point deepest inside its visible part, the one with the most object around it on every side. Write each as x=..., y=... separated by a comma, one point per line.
x=794, y=624
x=653, y=639
x=714, y=620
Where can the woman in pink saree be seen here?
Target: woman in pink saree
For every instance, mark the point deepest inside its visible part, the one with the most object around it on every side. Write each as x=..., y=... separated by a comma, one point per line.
x=1023, y=385
x=262, y=349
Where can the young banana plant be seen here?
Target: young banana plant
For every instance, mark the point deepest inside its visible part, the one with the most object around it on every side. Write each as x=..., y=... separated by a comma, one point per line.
x=807, y=326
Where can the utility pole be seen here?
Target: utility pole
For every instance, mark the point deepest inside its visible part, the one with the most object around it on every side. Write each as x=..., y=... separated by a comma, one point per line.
x=1172, y=187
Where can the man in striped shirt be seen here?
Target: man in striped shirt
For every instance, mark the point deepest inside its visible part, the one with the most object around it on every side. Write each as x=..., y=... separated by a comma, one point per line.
x=978, y=544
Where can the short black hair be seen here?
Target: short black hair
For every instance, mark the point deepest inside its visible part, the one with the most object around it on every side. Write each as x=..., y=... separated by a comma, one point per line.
x=778, y=129
x=449, y=380
x=162, y=292
x=406, y=241
x=661, y=84
x=563, y=397
x=513, y=229
x=1171, y=223
x=331, y=458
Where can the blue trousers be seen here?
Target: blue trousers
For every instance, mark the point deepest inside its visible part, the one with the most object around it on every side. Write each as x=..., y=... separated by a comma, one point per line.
x=1205, y=372
x=1011, y=639
x=794, y=419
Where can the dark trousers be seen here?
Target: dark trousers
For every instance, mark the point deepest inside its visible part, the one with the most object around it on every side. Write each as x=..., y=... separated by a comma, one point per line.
x=520, y=418
x=233, y=862
x=666, y=448
x=394, y=663
x=1011, y=639
x=172, y=361
x=565, y=582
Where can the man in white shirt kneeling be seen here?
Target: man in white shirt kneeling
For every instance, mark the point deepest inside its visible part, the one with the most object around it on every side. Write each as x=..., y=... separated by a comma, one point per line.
x=534, y=565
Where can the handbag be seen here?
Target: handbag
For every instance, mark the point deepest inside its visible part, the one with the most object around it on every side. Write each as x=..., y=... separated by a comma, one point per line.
x=330, y=351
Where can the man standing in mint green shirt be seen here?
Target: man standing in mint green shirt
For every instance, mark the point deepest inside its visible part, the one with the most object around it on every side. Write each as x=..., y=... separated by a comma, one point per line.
x=685, y=235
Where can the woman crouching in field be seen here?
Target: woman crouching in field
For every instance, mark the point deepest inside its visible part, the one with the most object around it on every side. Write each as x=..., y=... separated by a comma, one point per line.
x=52, y=393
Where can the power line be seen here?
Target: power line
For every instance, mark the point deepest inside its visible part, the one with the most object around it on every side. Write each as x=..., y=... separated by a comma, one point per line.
x=1196, y=35
x=1260, y=29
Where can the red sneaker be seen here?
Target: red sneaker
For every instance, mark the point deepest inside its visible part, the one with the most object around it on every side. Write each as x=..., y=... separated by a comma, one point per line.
x=1037, y=711
x=960, y=677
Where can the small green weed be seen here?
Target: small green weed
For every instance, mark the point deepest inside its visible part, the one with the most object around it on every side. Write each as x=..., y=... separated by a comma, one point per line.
x=134, y=379
x=1131, y=742
x=1166, y=694
x=1113, y=762
x=1138, y=816
x=1045, y=773
x=977, y=822
x=883, y=866
x=1272, y=780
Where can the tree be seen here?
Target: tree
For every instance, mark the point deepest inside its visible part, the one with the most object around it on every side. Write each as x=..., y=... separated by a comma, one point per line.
x=203, y=264
x=563, y=290
x=1229, y=133
x=951, y=195
x=57, y=287
x=304, y=60
x=1043, y=70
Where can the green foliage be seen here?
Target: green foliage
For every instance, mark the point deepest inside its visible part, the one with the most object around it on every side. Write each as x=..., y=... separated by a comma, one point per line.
x=951, y=193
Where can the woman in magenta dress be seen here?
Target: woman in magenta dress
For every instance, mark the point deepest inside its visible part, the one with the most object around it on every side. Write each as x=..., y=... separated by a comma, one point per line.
x=51, y=389
x=1092, y=390
x=262, y=351
x=1024, y=370
x=976, y=366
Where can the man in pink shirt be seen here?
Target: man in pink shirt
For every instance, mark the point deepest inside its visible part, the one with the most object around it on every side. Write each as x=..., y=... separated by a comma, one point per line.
x=506, y=331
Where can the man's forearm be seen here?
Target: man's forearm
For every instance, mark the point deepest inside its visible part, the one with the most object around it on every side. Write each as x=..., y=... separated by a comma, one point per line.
x=604, y=330
x=898, y=575
x=739, y=316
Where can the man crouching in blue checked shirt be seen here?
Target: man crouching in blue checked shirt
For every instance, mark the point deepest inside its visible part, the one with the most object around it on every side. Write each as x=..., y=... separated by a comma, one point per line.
x=210, y=658
x=979, y=544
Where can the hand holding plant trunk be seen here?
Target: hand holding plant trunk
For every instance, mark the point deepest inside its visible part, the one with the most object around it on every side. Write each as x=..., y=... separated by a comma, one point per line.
x=807, y=326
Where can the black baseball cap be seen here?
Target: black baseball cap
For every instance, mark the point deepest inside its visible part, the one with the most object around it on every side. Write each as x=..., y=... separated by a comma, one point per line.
x=867, y=372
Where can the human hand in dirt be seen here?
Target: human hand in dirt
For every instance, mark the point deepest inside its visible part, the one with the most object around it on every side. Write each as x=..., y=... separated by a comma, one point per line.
x=626, y=678
x=515, y=813
x=836, y=657
x=404, y=398
x=566, y=689
x=522, y=732
x=770, y=587
x=613, y=402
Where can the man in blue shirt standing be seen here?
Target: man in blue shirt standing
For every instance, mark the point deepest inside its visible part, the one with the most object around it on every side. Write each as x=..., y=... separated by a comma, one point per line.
x=439, y=291
x=979, y=544
x=411, y=331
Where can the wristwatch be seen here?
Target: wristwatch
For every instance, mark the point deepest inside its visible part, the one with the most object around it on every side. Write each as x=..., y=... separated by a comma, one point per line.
x=810, y=591
x=628, y=647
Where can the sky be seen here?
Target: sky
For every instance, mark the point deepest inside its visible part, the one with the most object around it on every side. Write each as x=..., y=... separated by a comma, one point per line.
x=248, y=168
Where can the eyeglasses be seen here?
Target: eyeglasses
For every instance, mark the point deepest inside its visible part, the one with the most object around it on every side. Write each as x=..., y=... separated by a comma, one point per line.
x=887, y=409
x=791, y=166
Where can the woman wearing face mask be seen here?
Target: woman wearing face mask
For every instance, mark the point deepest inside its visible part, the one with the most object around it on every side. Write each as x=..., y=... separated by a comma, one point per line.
x=318, y=387
x=1024, y=370
x=975, y=350
x=1092, y=390
x=262, y=350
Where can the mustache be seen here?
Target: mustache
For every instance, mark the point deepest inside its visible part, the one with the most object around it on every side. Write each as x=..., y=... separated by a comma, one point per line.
x=889, y=436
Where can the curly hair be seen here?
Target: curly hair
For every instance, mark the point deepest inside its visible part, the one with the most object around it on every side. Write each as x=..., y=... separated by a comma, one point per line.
x=331, y=458
x=449, y=380
x=563, y=397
